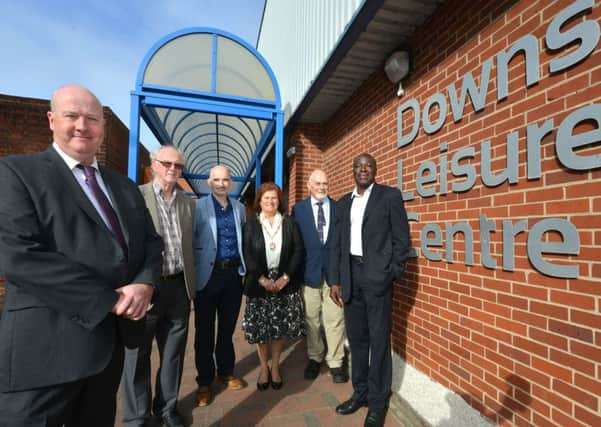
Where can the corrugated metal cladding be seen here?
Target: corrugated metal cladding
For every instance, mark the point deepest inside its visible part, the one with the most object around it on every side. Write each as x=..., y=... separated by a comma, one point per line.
x=354, y=38
x=297, y=37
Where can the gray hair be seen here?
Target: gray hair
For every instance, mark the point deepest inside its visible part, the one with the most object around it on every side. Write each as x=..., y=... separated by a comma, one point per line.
x=155, y=154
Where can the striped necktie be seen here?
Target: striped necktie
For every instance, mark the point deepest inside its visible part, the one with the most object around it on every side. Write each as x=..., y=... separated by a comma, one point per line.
x=321, y=220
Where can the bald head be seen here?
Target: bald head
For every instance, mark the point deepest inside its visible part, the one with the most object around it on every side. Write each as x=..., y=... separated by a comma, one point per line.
x=77, y=122
x=69, y=91
x=318, y=184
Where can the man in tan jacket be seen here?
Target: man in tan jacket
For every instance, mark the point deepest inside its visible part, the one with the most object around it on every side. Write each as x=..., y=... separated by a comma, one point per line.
x=172, y=213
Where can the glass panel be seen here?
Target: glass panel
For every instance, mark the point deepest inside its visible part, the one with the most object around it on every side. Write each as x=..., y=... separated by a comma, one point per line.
x=197, y=125
x=239, y=72
x=184, y=62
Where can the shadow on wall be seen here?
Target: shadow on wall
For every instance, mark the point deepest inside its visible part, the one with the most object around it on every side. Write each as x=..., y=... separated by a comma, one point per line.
x=513, y=408
x=403, y=300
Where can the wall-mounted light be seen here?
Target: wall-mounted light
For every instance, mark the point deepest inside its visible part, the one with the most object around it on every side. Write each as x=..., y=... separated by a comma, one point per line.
x=291, y=152
x=397, y=67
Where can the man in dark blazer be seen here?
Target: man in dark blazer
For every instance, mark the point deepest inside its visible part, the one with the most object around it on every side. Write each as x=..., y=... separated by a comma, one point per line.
x=369, y=249
x=172, y=214
x=80, y=270
x=314, y=216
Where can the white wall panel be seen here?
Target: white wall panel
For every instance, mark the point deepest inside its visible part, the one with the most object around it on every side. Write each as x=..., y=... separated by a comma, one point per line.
x=297, y=38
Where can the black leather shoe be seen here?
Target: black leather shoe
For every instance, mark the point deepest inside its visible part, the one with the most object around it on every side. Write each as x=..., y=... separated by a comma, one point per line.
x=264, y=386
x=173, y=419
x=349, y=407
x=312, y=370
x=339, y=375
x=375, y=418
x=276, y=385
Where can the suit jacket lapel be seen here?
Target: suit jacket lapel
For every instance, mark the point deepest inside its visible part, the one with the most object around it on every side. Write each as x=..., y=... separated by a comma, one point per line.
x=237, y=219
x=330, y=218
x=345, y=220
x=56, y=163
x=151, y=204
x=117, y=197
x=212, y=217
x=180, y=205
x=371, y=202
x=310, y=216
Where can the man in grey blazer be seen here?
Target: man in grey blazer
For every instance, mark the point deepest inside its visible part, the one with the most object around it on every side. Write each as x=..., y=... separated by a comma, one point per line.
x=81, y=258
x=220, y=267
x=172, y=213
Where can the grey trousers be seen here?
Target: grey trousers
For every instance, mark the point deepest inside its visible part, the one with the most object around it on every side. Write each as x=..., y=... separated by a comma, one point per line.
x=167, y=321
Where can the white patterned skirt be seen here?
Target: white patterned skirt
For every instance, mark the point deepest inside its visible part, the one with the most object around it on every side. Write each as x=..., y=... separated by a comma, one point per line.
x=273, y=317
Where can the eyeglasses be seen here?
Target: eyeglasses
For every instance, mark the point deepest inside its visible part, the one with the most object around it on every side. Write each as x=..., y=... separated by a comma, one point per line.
x=167, y=165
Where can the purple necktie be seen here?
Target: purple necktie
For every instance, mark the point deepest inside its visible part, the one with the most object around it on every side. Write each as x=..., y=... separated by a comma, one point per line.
x=105, y=205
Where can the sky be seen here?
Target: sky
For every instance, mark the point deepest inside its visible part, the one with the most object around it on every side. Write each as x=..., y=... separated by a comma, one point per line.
x=99, y=44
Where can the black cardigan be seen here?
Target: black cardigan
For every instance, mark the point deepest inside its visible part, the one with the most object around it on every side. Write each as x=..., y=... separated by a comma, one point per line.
x=291, y=257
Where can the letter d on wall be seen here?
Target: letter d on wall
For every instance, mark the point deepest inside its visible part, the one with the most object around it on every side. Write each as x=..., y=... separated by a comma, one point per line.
x=403, y=140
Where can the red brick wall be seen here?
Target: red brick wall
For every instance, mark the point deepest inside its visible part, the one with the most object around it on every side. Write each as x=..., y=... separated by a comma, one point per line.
x=521, y=347
x=23, y=125
x=308, y=157
x=24, y=129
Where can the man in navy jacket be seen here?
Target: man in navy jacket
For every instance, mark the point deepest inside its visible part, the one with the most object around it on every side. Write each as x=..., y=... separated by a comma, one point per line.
x=314, y=216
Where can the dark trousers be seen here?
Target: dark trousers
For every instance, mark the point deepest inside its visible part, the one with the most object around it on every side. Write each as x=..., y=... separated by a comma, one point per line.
x=168, y=323
x=90, y=401
x=368, y=323
x=220, y=300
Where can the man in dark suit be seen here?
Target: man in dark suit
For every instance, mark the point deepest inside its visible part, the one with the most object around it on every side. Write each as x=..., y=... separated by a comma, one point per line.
x=369, y=249
x=172, y=213
x=314, y=216
x=81, y=258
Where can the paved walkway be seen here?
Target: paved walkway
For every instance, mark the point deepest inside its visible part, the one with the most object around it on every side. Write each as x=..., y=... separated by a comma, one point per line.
x=299, y=403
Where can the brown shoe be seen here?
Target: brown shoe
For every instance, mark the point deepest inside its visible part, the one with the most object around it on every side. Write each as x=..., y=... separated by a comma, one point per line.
x=232, y=382
x=204, y=395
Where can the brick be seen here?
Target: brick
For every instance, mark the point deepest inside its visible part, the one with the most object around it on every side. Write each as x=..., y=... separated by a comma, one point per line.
x=514, y=353
x=552, y=369
x=584, y=302
x=575, y=363
x=533, y=292
x=584, y=318
x=511, y=326
x=587, y=417
x=564, y=420
x=529, y=318
x=591, y=352
x=553, y=311
x=556, y=400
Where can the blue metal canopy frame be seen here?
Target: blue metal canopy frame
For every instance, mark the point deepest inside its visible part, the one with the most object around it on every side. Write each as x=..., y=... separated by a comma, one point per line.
x=209, y=126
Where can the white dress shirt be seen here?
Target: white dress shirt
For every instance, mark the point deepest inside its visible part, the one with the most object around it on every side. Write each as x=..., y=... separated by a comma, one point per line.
x=272, y=233
x=358, y=204
x=326, y=213
x=80, y=176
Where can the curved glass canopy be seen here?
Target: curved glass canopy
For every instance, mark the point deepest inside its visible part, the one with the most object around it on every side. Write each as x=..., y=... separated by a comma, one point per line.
x=215, y=98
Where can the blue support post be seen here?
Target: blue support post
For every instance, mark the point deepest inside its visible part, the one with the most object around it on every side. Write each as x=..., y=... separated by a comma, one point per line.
x=257, y=173
x=134, y=137
x=279, y=149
